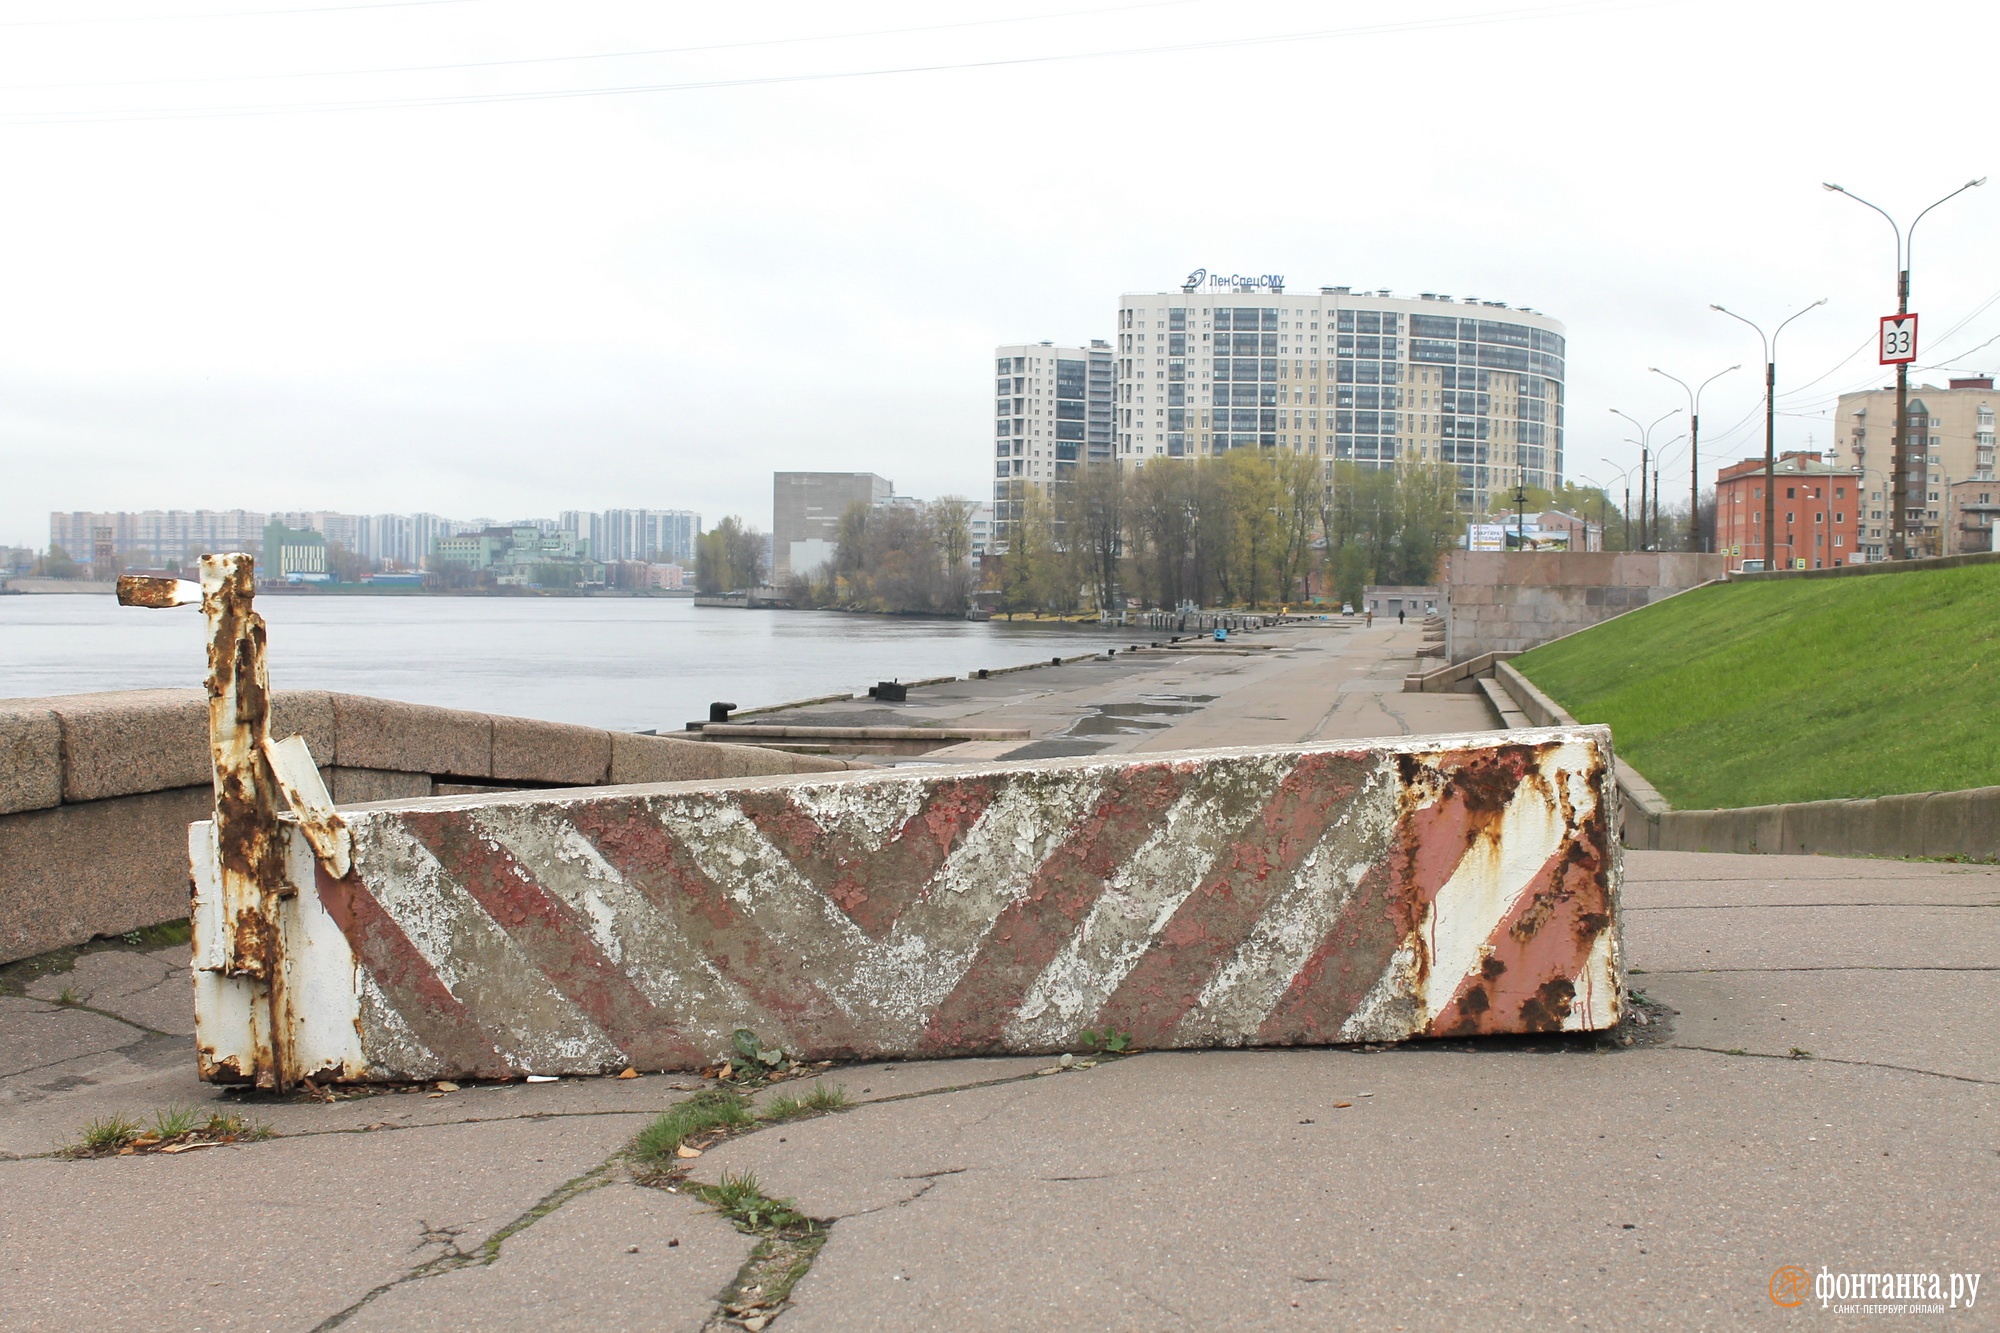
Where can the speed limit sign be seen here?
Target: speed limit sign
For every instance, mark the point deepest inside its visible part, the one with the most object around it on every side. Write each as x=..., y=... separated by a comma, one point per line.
x=1899, y=339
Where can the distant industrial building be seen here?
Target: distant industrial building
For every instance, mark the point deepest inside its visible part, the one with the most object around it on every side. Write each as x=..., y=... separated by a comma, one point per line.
x=293, y=555
x=521, y=556
x=1952, y=435
x=1817, y=511
x=1053, y=409
x=805, y=515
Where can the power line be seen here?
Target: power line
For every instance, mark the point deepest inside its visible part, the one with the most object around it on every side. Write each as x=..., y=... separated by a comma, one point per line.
x=227, y=14
x=709, y=85
x=601, y=55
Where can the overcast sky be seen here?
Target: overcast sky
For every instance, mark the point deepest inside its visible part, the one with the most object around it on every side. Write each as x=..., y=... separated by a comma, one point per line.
x=507, y=257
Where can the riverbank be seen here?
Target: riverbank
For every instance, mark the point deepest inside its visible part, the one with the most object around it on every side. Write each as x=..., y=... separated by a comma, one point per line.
x=1292, y=684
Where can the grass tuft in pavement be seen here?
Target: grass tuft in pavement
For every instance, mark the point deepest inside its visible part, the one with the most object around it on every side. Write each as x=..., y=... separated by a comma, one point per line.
x=657, y=1143
x=821, y=1100
x=1782, y=690
x=176, y=1129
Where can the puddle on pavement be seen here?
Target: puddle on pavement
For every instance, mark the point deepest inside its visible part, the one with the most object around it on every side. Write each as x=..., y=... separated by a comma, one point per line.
x=1135, y=719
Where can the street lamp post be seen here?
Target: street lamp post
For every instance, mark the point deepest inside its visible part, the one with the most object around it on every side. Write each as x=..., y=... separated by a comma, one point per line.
x=1645, y=453
x=1694, y=449
x=1520, y=516
x=1770, y=422
x=1660, y=460
x=1624, y=513
x=1899, y=530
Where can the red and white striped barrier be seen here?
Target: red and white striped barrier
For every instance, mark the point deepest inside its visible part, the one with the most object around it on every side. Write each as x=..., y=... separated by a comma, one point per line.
x=1363, y=892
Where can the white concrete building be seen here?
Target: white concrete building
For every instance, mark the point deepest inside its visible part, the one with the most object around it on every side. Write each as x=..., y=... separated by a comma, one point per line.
x=1052, y=410
x=1343, y=376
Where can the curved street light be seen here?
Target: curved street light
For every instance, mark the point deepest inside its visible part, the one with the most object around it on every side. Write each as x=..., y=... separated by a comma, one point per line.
x=1625, y=512
x=1645, y=450
x=1770, y=419
x=1906, y=242
x=1694, y=448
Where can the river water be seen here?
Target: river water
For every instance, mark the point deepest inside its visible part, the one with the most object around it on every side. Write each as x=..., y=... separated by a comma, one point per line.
x=623, y=663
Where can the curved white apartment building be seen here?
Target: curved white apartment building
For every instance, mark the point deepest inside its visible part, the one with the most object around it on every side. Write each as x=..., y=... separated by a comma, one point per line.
x=1344, y=376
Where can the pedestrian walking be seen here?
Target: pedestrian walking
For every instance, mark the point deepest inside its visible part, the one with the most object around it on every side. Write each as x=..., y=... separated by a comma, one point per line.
x=1399, y=617
x=1369, y=623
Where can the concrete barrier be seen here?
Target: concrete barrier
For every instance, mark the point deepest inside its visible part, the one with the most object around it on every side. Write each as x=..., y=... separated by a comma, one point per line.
x=1372, y=891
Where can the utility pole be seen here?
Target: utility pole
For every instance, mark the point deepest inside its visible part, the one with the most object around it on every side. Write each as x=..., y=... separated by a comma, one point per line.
x=1899, y=491
x=1770, y=424
x=1694, y=449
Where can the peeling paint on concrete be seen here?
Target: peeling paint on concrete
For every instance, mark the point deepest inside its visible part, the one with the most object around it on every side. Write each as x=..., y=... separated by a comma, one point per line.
x=1369, y=891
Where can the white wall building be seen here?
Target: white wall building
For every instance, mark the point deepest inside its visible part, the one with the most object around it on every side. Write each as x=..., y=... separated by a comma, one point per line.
x=1053, y=409
x=1343, y=376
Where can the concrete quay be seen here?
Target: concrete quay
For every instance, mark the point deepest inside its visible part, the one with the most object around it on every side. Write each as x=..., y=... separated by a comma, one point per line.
x=1291, y=685
x=1815, y=1086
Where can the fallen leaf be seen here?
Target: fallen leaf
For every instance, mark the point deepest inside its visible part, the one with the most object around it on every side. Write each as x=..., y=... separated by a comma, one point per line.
x=630, y=1073
x=685, y=1151
x=755, y=1323
x=434, y=1094
x=1341, y=1106
x=146, y=1142
x=190, y=1147
x=446, y=1085
x=727, y=1071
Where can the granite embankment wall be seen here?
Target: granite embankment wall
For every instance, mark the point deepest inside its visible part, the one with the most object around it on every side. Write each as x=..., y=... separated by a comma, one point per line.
x=1499, y=601
x=1939, y=823
x=97, y=790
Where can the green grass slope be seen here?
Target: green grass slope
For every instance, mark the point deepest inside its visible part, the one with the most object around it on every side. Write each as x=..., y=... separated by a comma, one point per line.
x=1796, y=689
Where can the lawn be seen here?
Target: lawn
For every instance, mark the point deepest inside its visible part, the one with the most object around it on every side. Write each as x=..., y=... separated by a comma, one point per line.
x=1796, y=689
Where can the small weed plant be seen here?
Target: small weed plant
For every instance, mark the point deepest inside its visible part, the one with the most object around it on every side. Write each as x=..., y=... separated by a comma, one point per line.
x=655, y=1147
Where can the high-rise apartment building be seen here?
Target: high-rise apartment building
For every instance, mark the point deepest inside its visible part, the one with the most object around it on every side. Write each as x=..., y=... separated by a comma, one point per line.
x=1053, y=409
x=1344, y=376
x=805, y=514
x=652, y=536
x=1951, y=433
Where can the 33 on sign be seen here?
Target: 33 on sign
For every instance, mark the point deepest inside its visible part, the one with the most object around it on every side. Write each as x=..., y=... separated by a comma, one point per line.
x=1899, y=339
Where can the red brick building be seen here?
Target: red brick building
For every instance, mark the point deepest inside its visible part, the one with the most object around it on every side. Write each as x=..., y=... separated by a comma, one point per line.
x=1818, y=512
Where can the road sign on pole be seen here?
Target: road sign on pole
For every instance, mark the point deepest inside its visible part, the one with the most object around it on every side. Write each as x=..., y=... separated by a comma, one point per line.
x=1899, y=339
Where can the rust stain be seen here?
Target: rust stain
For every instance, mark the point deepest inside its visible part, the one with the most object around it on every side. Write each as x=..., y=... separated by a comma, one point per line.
x=147, y=591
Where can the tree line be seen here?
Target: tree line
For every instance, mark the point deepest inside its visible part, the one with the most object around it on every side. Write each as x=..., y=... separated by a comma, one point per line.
x=1244, y=528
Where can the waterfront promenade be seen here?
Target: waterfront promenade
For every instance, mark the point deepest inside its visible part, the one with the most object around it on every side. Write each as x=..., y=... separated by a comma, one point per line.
x=1813, y=1084
x=1310, y=681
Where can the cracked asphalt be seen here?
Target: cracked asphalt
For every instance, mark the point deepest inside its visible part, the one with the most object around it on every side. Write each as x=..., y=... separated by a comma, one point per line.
x=1819, y=1087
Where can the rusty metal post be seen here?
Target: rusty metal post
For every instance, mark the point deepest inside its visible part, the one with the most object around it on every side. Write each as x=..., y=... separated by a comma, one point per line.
x=241, y=936
x=248, y=850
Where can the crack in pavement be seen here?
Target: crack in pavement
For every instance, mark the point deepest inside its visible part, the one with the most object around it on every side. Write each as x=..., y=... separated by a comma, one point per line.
x=488, y=1251
x=1740, y=1053
x=1754, y=907
x=1828, y=967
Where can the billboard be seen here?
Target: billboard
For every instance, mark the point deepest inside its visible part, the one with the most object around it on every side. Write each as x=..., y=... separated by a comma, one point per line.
x=1509, y=537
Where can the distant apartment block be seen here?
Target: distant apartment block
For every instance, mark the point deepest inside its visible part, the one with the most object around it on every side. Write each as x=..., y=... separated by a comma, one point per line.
x=1972, y=516
x=805, y=515
x=1053, y=409
x=157, y=537
x=646, y=535
x=1952, y=440
x=1345, y=376
x=1818, y=508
